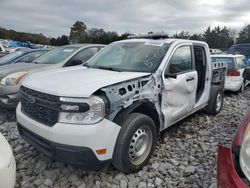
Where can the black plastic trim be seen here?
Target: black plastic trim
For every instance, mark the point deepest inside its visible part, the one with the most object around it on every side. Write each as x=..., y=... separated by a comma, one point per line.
x=82, y=157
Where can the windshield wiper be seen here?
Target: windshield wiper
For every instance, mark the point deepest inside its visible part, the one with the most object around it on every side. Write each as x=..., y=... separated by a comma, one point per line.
x=106, y=68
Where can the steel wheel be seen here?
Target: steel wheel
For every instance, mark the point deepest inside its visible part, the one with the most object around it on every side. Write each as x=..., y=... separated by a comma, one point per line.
x=140, y=145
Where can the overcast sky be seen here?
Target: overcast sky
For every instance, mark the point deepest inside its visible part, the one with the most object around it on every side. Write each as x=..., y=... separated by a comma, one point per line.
x=55, y=17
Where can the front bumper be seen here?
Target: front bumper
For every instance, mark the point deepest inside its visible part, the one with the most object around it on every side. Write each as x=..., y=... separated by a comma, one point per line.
x=70, y=139
x=82, y=157
x=227, y=177
x=9, y=96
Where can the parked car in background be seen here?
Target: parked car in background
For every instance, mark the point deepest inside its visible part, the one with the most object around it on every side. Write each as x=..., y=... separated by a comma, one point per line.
x=233, y=164
x=3, y=50
x=12, y=75
x=22, y=55
x=243, y=49
x=235, y=67
x=7, y=164
x=113, y=110
x=215, y=51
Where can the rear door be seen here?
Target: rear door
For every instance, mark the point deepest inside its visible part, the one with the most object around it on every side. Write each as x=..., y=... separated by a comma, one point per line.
x=179, y=94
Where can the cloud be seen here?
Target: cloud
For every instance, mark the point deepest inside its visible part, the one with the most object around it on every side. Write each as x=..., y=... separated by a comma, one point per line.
x=55, y=17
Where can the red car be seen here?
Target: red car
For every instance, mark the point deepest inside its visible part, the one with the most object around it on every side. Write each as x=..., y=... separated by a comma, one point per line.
x=233, y=165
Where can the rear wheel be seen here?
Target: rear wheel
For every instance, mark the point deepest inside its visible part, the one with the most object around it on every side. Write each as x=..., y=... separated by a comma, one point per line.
x=135, y=143
x=215, y=102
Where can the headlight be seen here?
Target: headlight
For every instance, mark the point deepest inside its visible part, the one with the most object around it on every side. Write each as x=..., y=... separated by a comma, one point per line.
x=245, y=153
x=82, y=111
x=13, y=79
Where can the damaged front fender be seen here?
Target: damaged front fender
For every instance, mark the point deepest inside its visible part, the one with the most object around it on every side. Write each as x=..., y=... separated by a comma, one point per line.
x=133, y=93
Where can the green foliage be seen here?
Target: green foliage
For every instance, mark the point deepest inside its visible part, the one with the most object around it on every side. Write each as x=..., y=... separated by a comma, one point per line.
x=244, y=35
x=182, y=35
x=59, y=41
x=21, y=36
x=218, y=37
x=186, y=35
x=78, y=33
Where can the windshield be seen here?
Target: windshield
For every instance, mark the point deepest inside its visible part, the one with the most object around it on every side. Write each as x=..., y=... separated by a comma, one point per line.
x=55, y=56
x=130, y=56
x=10, y=57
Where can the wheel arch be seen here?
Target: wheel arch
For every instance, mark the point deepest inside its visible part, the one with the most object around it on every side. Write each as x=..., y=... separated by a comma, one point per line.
x=144, y=107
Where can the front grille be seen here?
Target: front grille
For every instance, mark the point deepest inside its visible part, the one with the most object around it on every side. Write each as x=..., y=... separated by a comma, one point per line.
x=41, y=107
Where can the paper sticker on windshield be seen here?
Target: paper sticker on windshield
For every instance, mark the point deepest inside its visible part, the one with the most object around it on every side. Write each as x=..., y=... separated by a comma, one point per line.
x=68, y=50
x=154, y=43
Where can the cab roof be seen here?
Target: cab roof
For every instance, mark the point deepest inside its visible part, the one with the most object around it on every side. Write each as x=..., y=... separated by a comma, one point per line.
x=167, y=40
x=227, y=55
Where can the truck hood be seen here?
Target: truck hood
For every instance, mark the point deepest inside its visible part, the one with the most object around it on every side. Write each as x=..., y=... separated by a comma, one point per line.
x=17, y=67
x=76, y=81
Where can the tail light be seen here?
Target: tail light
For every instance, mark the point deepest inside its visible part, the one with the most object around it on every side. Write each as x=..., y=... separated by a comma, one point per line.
x=233, y=73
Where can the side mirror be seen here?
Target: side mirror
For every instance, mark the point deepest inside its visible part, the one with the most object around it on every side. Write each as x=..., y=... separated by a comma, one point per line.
x=170, y=75
x=246, y=73
x=74, y=62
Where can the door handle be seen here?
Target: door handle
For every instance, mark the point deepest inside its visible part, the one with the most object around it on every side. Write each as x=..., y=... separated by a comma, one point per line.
x=190, y=79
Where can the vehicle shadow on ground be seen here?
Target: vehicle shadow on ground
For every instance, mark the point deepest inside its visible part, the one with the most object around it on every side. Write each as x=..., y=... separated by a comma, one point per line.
x=7, y=115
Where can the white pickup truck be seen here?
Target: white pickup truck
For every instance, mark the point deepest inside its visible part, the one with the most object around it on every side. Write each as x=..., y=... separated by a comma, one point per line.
x=112, y=109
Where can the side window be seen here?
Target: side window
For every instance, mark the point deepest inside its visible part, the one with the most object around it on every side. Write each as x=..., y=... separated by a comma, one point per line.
x=1, y=49
x=30, y=57
x=181, y=60
x=241, y=62
x=85, y=54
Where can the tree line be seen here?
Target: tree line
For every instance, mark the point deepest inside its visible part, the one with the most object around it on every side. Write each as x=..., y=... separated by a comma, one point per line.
x=216, y=37
x=22, y=36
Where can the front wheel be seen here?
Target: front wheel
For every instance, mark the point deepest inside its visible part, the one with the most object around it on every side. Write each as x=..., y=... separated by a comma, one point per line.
x=215, y=102
x=135, y=143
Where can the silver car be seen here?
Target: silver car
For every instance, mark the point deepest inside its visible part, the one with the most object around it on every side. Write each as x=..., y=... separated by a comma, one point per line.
x=12, y=75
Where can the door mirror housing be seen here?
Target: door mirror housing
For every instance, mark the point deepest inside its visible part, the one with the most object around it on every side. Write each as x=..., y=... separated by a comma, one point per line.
x=246, y=73
x=170, y=75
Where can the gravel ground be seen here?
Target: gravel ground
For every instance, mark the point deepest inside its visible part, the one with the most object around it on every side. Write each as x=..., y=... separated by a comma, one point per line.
x=185, y=155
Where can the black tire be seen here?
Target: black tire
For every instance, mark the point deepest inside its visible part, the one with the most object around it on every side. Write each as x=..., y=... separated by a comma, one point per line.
x=122, y=157
x=212, y=108
x=246, y=73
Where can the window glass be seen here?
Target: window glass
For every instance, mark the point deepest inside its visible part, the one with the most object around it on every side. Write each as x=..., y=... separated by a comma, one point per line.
x=181, y=61
x=241, y=62
x=10, y=57
x=227, y=60
x=130, y=56
x=56, y=55
x=85, y=54
x=31, y=56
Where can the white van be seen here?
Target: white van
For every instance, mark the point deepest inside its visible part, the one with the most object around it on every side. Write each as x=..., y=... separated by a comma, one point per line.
x=235, y=67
